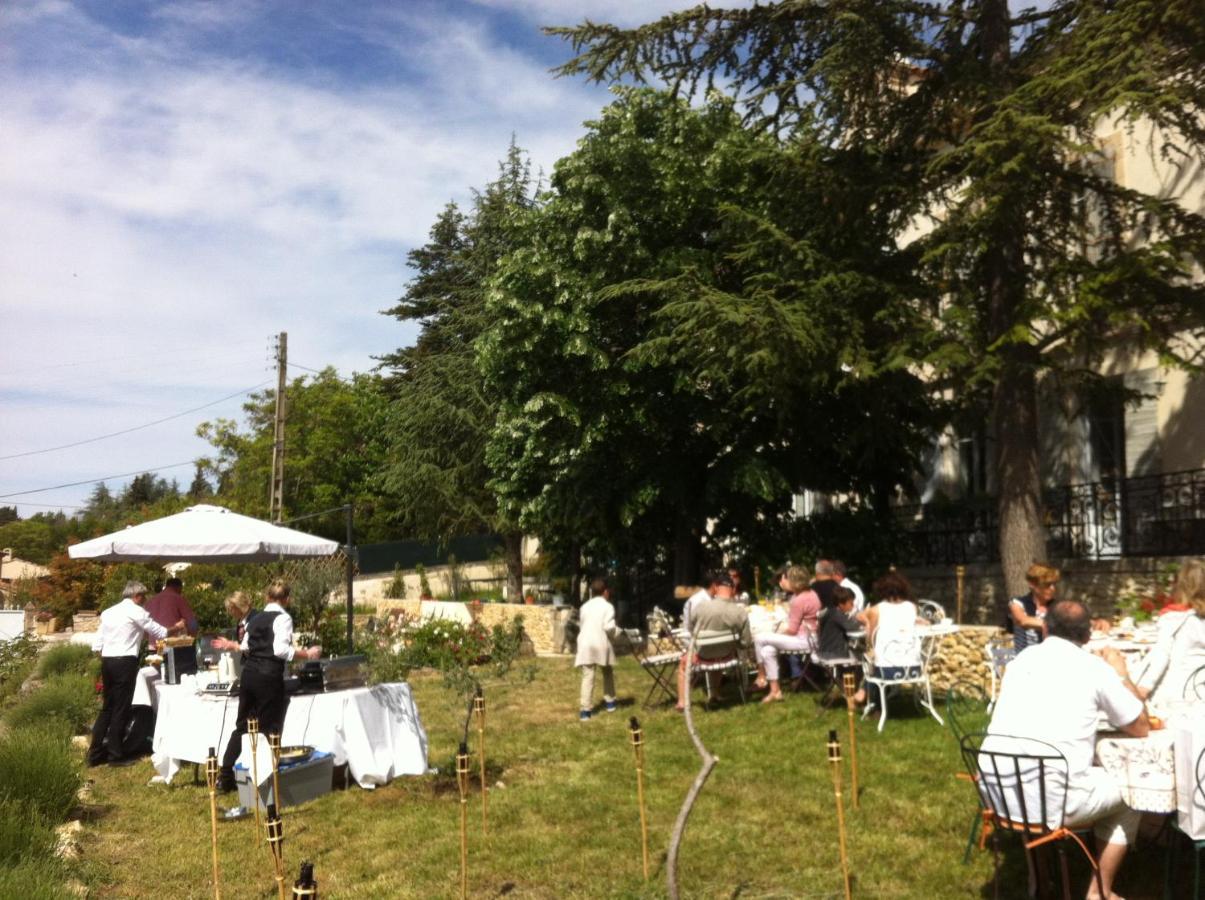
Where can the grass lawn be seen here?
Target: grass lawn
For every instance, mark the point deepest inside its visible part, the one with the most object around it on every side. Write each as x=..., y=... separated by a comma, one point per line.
x=565, y=824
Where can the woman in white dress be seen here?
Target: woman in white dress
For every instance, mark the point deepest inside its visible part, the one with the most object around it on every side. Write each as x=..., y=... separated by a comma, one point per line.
x=891, y=626
x=1180, y=647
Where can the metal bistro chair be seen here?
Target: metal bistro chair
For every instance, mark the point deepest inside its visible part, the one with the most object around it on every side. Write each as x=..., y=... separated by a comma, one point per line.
x=966, y=713
x=915, y=676
x=999, y=652
x=1024, y=792
x=931, y=611
x=1194, y=687
x=661, y=667
x=720, y=651
x=1198, y=844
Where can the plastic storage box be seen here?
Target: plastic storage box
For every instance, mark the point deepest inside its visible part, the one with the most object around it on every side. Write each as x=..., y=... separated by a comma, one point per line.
x=298, y=783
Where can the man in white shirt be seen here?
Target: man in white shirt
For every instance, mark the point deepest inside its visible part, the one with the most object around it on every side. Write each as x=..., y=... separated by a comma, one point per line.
x=847, y=583
x=1055, y=693
x=119, y=641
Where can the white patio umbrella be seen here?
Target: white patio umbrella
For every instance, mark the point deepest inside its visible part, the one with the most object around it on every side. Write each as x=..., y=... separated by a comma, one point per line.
x=203, y=533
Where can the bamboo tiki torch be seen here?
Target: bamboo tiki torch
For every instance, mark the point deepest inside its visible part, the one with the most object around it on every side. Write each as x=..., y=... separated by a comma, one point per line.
x=960, y=574
x=276, y=838
x=834, y=758
x=479, y=710
x=849, y=682
x=211, y=779
x=274, y=744
x=638, y=747
x=462, y=782
x=305, y=887
x=253, y=733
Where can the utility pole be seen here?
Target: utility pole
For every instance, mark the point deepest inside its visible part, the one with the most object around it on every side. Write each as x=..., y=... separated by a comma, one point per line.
x=276, y=512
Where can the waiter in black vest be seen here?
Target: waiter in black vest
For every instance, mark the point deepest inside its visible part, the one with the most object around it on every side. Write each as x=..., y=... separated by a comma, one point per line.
x=267, y=646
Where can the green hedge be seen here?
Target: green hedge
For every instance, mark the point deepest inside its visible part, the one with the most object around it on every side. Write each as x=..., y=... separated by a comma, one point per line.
x=68, y=699
x=17, y=659
x=40, y=770
x=34, y=880
x=63, y=658
x=24, y=834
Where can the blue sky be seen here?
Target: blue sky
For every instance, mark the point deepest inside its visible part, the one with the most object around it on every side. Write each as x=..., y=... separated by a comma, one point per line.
x=183, y=180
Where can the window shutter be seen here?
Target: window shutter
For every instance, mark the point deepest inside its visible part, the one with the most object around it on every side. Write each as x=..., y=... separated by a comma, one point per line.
x=1143, y=452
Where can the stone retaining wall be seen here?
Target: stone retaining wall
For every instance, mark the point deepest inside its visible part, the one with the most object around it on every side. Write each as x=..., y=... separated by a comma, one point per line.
x=1098, y=583
x=542, y=624
x=961, y=657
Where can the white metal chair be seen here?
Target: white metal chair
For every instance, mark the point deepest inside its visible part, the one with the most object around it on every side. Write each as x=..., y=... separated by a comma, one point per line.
x=916, y=677
x=931, y=611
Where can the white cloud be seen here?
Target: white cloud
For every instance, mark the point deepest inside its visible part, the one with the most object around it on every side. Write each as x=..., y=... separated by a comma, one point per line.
x=167, y=211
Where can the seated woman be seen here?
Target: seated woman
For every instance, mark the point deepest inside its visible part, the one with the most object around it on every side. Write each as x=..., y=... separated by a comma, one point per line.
x=1180, y=647
x=798, y=635
x=891, y=624
x=1027, y=613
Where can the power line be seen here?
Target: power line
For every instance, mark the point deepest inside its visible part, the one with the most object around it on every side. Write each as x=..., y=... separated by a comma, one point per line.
x=112, y=434
x=48, y=506
x=191, y=462
x=191, y=355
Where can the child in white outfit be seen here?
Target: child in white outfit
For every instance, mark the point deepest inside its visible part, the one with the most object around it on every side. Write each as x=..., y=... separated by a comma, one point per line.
x=597, y=620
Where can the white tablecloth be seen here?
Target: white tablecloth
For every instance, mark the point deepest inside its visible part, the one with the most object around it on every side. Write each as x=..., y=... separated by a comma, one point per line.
x=375, y=730
x=1156, y=772
x=1144, y=767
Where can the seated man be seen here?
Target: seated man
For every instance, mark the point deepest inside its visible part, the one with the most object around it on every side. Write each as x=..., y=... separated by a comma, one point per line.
x=1055, y=692
x=718, y=613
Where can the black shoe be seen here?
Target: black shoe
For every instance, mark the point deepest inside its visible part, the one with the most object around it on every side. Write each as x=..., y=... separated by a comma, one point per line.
x=123, y=762
x=227, y=785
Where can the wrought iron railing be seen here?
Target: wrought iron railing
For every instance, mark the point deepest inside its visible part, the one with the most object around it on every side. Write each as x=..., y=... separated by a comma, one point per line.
x=1148, y=515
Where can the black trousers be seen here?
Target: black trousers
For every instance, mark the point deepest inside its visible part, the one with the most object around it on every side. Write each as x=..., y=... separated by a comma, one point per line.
x=118, y=675
x=261, y=695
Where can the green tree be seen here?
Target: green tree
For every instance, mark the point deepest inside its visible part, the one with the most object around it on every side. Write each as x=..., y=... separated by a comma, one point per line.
x=627, y=429
x=333, y=445
x=34, y=539
x=981, y=125
x=442, y=413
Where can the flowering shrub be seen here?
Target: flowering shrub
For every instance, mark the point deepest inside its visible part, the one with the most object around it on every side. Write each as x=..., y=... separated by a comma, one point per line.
x=453, y=648
x=1142, y=606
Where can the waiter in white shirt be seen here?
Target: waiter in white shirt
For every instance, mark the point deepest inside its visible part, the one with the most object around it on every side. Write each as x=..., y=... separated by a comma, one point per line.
x=267, y=646
x=118, y=641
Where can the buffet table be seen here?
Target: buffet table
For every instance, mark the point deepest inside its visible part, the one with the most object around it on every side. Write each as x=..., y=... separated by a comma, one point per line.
x=375, y=730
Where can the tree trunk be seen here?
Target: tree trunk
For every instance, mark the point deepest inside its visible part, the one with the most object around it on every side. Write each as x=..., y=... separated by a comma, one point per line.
x=575, y=573
x=1019, y=485
x=513, y=542
x=686, y=551
x=1014, y=402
